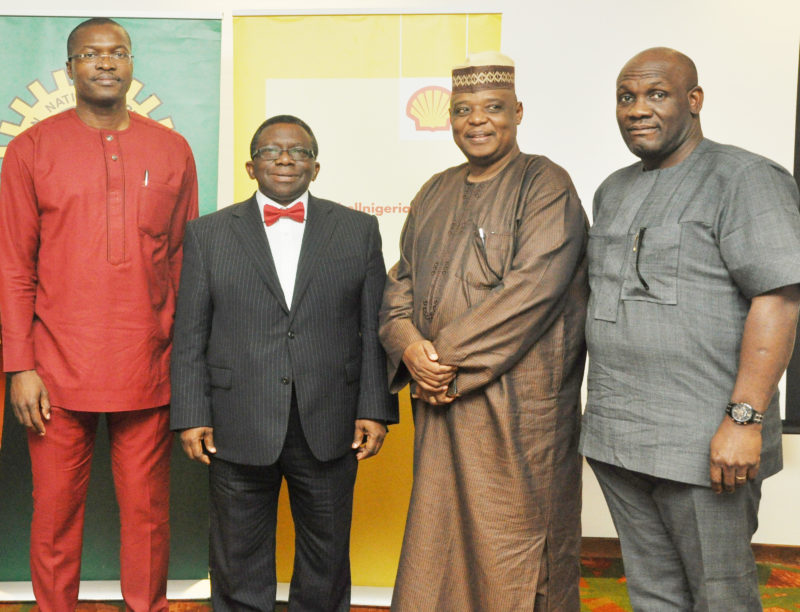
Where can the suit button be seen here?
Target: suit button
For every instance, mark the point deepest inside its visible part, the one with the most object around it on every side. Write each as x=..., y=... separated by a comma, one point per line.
x=290, y=334
x=285, y=380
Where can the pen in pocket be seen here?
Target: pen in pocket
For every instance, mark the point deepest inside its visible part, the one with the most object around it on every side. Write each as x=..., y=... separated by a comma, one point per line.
x=146, y=177
x=638, y=242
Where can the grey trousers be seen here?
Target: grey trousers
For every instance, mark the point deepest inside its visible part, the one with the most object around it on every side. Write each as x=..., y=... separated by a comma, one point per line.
x=684, y=547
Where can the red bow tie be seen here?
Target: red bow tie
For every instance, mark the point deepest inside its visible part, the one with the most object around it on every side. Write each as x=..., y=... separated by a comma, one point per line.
x=295, y=212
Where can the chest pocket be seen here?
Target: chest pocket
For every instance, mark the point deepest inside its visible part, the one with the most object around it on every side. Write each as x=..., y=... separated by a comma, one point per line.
x=630, y=267
x=606, y=258
x=652, y=271
x=156, y=205
x=487, y=258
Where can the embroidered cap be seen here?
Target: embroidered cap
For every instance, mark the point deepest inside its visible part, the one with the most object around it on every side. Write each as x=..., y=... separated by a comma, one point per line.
x=485, y=70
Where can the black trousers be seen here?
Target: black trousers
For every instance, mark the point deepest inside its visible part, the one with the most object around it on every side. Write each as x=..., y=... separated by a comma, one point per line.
x=243, y=513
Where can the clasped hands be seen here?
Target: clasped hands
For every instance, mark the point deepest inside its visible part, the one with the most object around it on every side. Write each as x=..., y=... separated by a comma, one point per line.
x=432, y=377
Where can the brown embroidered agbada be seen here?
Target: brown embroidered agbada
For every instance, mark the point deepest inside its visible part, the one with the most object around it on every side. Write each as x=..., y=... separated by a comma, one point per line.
x=494, y=274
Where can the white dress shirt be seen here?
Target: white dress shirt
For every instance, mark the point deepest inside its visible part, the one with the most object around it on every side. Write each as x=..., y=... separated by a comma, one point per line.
x=285, y=238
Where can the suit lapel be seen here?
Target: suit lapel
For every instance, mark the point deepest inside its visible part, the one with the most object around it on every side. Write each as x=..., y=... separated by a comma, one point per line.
x=249, y=227
x=318, y=232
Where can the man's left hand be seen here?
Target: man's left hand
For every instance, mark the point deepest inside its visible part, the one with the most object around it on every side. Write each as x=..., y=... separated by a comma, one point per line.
x=439, y=398
x=198, y=442
x=735, y=455
x=368, y=438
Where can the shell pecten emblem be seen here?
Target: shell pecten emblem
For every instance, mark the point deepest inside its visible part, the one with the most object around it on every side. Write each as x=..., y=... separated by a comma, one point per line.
x=429, y=108
x=62, y=98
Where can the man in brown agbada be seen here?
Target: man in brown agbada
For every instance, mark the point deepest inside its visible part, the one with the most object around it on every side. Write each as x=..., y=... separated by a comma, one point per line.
x=484, y=315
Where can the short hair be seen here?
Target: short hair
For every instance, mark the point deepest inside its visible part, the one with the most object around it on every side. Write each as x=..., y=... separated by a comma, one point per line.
x=283, y=119
x=94, y=21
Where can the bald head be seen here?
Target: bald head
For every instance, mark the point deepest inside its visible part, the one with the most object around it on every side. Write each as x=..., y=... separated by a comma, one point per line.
x=680, y=67
x=658, y=107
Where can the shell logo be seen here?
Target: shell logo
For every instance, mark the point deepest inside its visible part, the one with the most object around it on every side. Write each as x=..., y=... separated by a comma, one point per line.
x=429, y=108
x=62, y=98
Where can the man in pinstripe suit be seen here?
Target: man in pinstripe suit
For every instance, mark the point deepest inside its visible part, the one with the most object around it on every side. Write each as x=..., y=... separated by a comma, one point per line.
x=278, y=373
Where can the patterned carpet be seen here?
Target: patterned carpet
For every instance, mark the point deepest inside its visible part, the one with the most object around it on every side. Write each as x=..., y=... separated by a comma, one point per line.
x=603, y=586
x=602, y=590
x=174, y=606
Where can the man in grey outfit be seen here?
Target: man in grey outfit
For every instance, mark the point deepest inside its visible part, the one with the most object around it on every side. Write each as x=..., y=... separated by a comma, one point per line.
x=694, y=270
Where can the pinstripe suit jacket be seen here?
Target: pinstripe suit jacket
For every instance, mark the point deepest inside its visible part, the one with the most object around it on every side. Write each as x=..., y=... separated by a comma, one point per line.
x=238, y=347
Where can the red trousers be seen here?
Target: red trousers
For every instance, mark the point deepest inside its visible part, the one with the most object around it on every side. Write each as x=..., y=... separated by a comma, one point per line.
x=140, y=443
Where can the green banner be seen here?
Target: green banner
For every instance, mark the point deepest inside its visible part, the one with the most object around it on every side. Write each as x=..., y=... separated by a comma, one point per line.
x=176, y=82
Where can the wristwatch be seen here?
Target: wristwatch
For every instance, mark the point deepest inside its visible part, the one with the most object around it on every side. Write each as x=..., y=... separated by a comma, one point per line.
x=743, y=414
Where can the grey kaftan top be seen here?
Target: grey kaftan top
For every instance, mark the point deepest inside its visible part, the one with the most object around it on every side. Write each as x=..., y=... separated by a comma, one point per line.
x=675, y=257
x=494, y=274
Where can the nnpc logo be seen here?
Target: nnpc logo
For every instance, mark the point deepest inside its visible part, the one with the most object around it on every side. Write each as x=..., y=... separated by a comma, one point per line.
x=63, y=97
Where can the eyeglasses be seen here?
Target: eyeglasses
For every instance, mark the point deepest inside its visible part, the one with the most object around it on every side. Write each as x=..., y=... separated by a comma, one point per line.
x=118, y=57
x=271, y=153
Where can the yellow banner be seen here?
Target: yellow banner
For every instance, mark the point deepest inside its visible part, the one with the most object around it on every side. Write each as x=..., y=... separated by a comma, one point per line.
x=375, y=89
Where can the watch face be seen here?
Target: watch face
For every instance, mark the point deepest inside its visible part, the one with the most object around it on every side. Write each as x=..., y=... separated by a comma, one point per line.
x=741, y=413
